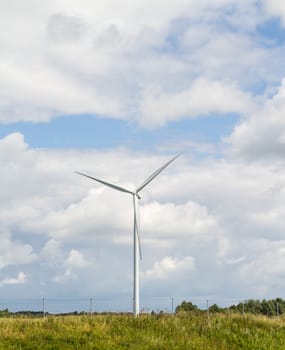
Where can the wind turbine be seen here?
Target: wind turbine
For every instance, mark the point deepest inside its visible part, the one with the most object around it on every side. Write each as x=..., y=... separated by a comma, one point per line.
x=137, y=244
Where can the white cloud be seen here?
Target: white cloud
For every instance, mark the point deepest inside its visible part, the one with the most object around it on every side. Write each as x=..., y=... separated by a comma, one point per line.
x=52, y=253
x=70, y=264
x=87, y=58
x=76, y=260
x=65, y=28
x=168, y=266
x=275, y=8
x=262, y=134
x=65, y=277
x=64, y=227
x=204, y=97
x=15, y=253
x=172, y=220
x=221, y=218
x=265, y=268
x=20, y=279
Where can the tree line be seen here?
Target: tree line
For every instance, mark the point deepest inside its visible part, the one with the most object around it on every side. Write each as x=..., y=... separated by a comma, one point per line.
x=273, y=307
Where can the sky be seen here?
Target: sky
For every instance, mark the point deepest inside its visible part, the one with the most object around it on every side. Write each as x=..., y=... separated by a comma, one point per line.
x=115, y=89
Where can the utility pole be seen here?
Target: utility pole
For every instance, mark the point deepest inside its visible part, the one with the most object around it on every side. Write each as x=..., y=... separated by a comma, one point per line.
x=43, y=307
x=90, y=306
x=208, y=313
x=172, y=309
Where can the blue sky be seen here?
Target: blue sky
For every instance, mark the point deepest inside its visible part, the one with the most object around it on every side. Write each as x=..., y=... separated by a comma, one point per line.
x=115, y=91
x=89, y=131
x=273, y=30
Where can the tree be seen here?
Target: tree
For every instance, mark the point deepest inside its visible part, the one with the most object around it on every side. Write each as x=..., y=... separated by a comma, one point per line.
x=215, y=308
x=187, y=306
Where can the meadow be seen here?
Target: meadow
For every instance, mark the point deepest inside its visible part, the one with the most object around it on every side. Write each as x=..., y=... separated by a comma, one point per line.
x=157, y=332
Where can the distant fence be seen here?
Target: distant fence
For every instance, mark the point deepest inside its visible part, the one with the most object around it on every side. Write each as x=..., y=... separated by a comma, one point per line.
x=118, y=303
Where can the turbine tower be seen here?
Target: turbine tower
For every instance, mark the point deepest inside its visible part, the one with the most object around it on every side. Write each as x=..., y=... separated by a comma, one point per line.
x=136, y=233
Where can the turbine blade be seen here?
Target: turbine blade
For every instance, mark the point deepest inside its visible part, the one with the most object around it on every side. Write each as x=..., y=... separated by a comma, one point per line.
x=155, y=174
x=137, y=226
x=115, y=187
x=139, y=240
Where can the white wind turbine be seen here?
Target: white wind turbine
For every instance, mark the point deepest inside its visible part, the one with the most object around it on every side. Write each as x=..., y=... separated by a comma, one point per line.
x=137, y=245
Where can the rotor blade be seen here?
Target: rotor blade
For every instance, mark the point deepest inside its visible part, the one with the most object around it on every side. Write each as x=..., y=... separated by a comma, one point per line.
x=156, y=173
x=115, y=187
x=137, y=226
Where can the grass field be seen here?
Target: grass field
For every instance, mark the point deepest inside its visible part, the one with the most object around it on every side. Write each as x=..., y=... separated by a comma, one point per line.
x=159, y=332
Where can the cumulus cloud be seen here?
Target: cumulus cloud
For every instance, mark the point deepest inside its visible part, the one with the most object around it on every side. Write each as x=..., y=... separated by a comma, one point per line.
x=172, y=220
x=164, y=268
x=52, y=253
x=261, y=134
x=194, y=222
x=61, y=266
x=20, y=279
x=265, y=267
x=220, y=217
x=70, y=264
x=76, y=260
x=108, y=60
x=275, y=8
x=65, y=28
x=204, y=97
x=15, y=253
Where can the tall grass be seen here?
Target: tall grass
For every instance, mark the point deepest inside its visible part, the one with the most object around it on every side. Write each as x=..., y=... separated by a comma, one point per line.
x=159, y=332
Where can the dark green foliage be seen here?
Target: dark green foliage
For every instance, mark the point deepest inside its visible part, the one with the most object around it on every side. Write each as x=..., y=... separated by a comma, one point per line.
x=186, y=306
x=4, y=313
x=215, y=308
x=274, y=307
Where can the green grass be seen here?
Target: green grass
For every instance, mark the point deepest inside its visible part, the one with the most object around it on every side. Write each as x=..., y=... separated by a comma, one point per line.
x=146, y=332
